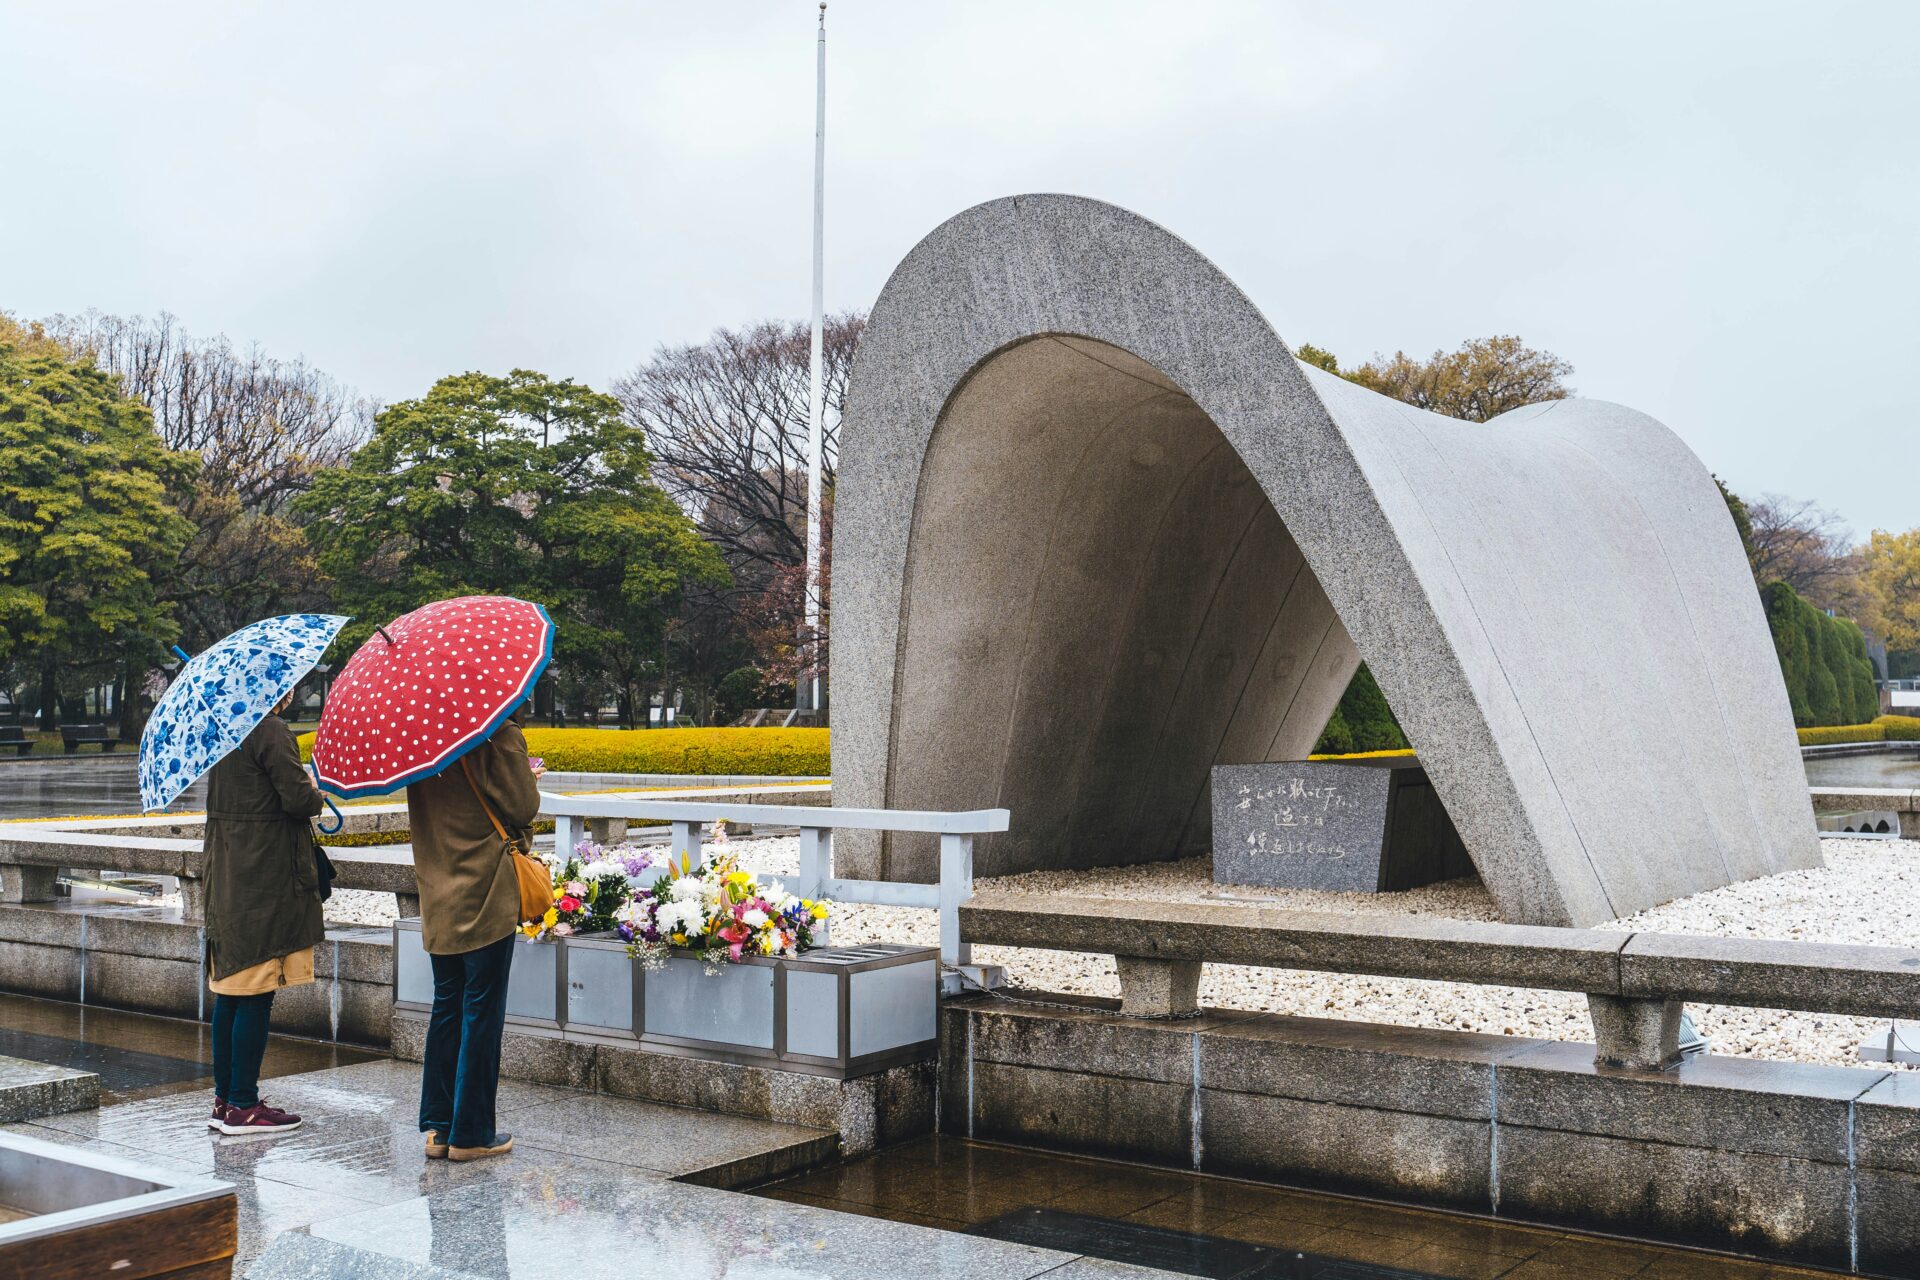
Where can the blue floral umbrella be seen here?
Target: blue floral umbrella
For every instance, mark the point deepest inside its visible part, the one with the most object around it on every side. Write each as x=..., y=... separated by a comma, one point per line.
x=221, y=694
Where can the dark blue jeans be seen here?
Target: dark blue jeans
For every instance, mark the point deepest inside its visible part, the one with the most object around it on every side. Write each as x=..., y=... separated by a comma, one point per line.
x=239, y=1043
x=460, y=1067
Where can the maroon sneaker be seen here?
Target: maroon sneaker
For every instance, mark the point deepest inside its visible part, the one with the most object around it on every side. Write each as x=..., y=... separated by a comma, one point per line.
x=219, y=1113
x=259, y=1118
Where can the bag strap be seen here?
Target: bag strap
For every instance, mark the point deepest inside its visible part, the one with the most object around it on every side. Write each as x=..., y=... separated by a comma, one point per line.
x=498, y=830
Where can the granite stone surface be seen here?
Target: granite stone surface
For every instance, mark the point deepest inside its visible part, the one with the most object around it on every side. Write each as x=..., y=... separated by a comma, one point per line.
x=29, y=1090
x=1097, y=531
x=1356, y=828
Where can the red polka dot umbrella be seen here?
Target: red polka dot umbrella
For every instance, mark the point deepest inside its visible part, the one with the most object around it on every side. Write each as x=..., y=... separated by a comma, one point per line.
x=430, y=687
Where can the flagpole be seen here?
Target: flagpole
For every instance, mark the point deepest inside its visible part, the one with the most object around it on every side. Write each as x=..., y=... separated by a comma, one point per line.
x=815, y=398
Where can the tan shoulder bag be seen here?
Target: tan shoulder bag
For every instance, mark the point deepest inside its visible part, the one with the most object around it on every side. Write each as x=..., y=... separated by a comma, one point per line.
x=536, y=882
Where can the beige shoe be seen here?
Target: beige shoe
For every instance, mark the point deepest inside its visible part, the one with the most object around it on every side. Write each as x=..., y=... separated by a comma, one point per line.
x=501, y=1144
x=436, y=1148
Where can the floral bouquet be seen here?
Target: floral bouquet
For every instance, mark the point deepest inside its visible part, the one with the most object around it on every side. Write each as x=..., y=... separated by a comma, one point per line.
x=591, y=887
x=716, y=909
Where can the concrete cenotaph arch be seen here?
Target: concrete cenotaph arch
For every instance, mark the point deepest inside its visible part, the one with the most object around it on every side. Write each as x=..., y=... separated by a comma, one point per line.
x=1097, y=530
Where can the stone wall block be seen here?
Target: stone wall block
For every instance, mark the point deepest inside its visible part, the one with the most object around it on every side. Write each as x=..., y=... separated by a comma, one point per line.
x=1095, y=1115
x=1770, y=1206
x=1732, y=1104
x=1446, y=1073
x=1430, y=1159
x=49, y=972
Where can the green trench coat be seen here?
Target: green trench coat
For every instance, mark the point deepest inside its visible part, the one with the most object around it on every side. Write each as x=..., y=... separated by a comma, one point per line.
x=263, y=890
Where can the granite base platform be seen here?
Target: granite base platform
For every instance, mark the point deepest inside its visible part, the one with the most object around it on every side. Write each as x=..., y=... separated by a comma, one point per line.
x=1780, y=1161
x=30, y=1090
x=149, y=960
x=867, y=1112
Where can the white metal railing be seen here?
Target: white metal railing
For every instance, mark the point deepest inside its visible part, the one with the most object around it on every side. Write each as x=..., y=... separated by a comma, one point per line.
x=817, y=825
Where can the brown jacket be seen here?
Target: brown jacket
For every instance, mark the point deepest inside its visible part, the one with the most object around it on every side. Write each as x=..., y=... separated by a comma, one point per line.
x=469, y=897
x=263, y=891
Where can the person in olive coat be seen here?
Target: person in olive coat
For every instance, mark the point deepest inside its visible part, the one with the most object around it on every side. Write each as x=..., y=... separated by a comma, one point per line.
x=469, y=912
x=263, y=909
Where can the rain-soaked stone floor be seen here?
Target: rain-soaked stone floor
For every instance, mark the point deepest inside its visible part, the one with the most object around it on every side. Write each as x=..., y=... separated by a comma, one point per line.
x=603, y=1187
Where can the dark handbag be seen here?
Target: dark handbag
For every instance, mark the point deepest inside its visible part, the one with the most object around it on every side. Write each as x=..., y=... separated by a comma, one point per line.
x=323, y=870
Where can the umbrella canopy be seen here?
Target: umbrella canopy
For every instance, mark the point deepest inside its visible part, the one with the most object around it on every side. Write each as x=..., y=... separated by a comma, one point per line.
x=430, y=687
x=221, y=694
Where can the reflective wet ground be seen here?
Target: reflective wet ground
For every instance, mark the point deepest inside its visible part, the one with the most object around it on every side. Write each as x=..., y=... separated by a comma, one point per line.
x=139, y=1057
x=60, y=788
x=1881, y=769
x=1184, y=1224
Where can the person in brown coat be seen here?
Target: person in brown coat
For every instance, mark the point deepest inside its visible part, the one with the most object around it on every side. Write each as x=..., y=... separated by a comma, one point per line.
x=263, y=910
x=469, y=911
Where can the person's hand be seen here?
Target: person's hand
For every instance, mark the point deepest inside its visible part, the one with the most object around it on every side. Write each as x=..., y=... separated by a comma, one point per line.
x=538, y=766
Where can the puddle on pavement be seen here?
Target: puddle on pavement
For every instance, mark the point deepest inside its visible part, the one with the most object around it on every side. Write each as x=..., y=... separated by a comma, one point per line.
x=140, y=1056
x=1215, y=1227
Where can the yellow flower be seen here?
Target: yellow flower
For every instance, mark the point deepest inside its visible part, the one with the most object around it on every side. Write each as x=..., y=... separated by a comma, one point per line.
x=551, y=918
x=818, y=910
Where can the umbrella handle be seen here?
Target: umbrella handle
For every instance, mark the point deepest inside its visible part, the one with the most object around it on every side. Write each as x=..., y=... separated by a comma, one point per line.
x=339, y=819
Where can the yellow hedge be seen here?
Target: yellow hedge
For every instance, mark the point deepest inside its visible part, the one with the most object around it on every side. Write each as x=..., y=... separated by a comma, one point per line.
x=1884, y=729
x=1835, y=734
x=1900, y=728
x=784, y=753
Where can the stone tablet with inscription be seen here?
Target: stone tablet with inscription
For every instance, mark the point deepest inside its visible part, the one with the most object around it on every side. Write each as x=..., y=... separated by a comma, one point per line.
x=1359, y=828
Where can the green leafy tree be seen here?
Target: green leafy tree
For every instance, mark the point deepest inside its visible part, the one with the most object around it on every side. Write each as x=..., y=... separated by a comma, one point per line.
x=85, y=525
x=523, y=486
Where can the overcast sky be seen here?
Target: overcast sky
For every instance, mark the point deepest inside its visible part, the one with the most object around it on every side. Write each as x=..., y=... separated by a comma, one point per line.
x=1712, y=210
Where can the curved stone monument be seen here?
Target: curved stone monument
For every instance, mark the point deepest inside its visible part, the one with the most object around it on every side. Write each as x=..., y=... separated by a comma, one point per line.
x=1096, y=530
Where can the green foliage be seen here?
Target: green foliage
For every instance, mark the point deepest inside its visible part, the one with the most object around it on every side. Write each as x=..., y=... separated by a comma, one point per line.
x=522, y=486
x=1742, y=520
x=1362, y=721
x=1318, y=357
x=1822, y=659
x=85, y=525
x=738, y=692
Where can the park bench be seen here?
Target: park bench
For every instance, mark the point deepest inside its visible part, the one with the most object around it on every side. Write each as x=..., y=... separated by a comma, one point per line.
x=76, y=736
x=1635, y=983
x=14, y=736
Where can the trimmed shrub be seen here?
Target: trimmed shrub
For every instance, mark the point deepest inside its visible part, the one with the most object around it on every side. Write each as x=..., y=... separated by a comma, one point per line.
x=1823, y=661
x=782, y=753
x=1363, y=723
x=1835, y=734
x=1900, y=728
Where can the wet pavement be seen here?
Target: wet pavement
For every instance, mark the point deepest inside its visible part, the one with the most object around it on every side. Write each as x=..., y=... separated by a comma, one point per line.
x=83, y=786
x=138, y=1056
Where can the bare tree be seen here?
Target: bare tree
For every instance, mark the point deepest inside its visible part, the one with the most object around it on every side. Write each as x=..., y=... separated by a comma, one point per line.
x=262, y=427
x=726, y=421
x=1806, y=546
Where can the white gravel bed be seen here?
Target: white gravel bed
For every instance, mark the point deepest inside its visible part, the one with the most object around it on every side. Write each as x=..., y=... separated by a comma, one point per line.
x=1869, y=892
